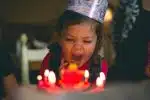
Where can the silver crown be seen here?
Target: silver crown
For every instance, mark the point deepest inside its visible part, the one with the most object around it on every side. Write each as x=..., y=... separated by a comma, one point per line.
x=94, y=9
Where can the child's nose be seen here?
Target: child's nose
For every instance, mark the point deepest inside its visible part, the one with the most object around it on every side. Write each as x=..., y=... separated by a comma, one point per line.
x=78, y=49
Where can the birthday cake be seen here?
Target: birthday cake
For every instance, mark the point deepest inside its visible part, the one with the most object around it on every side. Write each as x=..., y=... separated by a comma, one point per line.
x=71, y=79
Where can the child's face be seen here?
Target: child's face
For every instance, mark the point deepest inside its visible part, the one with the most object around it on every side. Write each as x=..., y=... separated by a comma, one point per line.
x=78, y=43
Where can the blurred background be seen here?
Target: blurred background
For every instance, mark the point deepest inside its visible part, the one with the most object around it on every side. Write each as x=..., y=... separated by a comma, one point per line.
x=34, y=17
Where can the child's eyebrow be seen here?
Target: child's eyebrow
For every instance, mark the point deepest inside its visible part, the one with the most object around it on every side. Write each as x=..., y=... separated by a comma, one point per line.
x=88, y=37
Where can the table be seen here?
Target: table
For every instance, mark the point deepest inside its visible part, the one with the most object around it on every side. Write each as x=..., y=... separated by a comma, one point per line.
x=113, y=91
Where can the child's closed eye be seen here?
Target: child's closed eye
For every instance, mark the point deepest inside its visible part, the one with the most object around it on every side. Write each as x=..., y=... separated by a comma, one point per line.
x=69, y=39
x=87, y=41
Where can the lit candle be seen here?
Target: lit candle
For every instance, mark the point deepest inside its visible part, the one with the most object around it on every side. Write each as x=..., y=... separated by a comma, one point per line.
x=52, y=78
x=86, y=75
x=40, y=82
x=102, y=76
x=99, y=82
x=46, y=73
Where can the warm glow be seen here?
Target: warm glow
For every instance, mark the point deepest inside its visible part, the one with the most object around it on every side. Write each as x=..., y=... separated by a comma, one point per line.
x=46, y=73
x=73, y=66
x=86, y=74
x=102, y=76
x=52, y=77
x=99, y=82
x=108, y=16
x=39, y=77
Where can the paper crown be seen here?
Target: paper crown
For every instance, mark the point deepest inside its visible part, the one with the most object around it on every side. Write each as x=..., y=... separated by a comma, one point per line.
x=94, y=9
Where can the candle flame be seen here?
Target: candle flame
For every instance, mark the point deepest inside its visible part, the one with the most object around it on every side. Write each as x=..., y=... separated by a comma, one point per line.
x=86, y=74
x=102, y=76
x=99, y=82
x=52, y=77
x=39, y=77
x=46, y=73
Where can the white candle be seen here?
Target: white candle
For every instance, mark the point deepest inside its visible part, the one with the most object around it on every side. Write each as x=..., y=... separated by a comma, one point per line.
x=86, y=74
x=52, y=77
x=40, y=82
x=39, y=77
x=102, y=76
x=99, y=82
x=46, y=73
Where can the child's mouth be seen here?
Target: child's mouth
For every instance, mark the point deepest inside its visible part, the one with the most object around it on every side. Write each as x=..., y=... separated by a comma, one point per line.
x=76, y=59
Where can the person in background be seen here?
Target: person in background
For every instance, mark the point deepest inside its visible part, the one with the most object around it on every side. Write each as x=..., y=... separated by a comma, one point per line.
x=8, y=80
x=131, y=36
x=78, y=38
